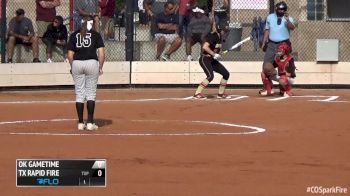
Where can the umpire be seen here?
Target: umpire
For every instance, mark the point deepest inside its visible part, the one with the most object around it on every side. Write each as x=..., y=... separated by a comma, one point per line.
x=86, y=67
x=277, y=31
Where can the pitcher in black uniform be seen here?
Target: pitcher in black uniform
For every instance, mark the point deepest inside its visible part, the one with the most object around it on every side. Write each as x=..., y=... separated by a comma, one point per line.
x=209, y=62
x=86, y=66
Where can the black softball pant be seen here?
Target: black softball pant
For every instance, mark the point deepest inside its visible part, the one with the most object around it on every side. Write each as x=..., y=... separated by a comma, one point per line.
x=209, y=65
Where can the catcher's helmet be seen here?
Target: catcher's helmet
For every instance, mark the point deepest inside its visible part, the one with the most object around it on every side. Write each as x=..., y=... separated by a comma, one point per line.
x=283, y=49
x=281, y=6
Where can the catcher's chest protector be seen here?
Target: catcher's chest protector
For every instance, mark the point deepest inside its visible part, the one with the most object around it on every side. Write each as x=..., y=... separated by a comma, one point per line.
x=282, y=65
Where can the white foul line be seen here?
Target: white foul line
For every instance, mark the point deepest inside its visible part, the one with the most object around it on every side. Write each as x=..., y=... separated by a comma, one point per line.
x=255, y=129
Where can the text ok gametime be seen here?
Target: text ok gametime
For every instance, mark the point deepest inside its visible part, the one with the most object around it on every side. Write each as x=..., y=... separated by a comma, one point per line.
x=37, y=172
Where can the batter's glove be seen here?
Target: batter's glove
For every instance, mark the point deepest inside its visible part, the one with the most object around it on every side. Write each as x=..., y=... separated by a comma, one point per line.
x=217, y=56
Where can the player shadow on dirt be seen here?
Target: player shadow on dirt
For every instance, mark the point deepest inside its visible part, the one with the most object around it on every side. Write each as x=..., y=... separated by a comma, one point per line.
x=103, y=122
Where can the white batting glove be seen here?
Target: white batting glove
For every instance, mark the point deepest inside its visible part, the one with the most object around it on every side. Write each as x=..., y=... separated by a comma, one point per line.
x=217, y=56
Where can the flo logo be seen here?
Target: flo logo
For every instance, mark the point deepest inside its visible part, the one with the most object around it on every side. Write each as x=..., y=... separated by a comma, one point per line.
x=48, y=181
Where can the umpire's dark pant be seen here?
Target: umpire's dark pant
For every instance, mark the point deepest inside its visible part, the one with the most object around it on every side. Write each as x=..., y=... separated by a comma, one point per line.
x=209, y=65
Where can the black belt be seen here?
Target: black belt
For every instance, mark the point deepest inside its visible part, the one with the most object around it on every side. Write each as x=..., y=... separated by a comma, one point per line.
x=287, y=40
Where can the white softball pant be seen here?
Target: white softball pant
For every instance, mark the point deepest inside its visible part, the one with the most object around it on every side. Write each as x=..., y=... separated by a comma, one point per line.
x=85, y=75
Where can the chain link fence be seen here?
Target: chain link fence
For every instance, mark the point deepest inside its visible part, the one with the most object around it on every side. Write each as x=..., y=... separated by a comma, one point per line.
x=314, y=21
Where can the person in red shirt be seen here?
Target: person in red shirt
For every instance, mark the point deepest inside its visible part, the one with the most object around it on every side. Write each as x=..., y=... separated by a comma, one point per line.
x=107, y=15
x=185, y=11
x=45, y=14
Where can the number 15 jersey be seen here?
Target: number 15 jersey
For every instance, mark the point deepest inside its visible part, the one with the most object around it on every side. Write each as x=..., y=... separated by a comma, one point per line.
x=84, y=48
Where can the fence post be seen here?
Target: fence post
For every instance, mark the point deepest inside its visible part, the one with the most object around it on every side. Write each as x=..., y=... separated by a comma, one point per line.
x=71, y=15
x=3, y=30
x=272, y=6
x=129, y=43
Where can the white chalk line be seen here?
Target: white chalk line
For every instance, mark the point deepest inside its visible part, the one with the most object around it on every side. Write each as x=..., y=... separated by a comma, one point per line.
x=332, y=99
x=328, y=98
x=277, y=99
x=329, y=101
x=255, y=129
x=98, y=101
x=236, y=97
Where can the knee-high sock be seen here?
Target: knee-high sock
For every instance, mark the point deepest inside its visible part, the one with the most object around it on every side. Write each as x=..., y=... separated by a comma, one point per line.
x=222, y=86
x=91, y=109
x=80, y=111
x=202, y=86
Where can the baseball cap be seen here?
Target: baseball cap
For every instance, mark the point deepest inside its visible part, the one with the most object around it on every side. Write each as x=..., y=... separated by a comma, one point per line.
x=198, y=10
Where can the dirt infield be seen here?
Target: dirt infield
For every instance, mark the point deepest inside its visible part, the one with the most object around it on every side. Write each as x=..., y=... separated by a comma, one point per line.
x=159, y=142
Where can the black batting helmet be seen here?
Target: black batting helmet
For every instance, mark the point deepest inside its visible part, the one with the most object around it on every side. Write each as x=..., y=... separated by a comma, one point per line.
x=281, y=6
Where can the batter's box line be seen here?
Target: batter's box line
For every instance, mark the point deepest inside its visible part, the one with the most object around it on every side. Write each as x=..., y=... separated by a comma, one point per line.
x=326, y=98
x=234, y=98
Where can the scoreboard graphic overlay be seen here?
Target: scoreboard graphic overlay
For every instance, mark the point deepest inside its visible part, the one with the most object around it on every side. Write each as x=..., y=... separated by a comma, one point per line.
x=40, y=172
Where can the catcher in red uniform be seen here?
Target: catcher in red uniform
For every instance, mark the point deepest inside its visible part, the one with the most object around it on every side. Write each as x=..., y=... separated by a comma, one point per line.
x=285, y=72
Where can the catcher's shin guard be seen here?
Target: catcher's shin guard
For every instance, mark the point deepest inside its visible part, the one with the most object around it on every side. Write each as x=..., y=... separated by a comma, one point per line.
x=285, y=86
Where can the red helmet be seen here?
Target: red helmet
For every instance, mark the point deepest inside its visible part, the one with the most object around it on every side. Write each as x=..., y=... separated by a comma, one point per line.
x=283, y=49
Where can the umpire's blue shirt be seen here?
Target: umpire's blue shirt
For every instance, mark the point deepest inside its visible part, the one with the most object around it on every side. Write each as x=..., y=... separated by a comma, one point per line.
x=277, y=32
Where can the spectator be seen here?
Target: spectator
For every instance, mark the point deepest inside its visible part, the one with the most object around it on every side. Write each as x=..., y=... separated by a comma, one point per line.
x=55, y=35
x=219, y=11
x=185, y=7
x=21, y=31
x=143, y=14
x=167, y=23
x=107, y=16
x=153, y=8
x=157, y=6
x=87, y=8
x=45, y=14
x=198, y=28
